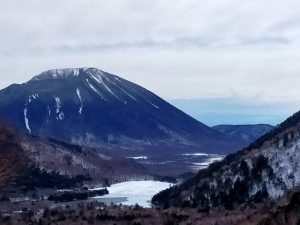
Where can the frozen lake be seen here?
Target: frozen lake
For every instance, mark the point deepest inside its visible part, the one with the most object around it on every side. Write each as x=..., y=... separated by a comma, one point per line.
x=134, y=192
x=176, y=164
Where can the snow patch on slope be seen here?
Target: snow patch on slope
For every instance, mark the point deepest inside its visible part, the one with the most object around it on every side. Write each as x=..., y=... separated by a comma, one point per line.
x=60, y=114
x=284, y=162
x=49, y=114
x=154, y=105
x=94, y=89
x=35, y=96
x=98, y=78
x=202, y=165
x=128, y=94
x=26, y=120
x=29, y=99
x=79, y=96
x=49, y=111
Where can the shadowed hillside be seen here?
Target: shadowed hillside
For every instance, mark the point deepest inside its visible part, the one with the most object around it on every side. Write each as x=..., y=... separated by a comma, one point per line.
x=265, y=170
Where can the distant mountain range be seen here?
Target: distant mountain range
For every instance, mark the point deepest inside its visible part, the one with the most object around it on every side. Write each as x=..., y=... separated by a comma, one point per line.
x=245, y=133
x=89, y=107
x=266, y=170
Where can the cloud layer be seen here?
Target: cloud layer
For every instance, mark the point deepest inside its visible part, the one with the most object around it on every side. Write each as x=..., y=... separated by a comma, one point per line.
x=178, y=49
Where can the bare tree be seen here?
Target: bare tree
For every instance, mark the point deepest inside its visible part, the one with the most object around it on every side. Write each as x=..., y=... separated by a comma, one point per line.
x=11, y=154
x=8, y=169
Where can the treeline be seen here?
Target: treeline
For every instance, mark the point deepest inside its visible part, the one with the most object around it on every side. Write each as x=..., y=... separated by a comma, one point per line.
x=225, y=192
x=74, y=148
x=68, y=196
x=35, y=177
x=109, y=180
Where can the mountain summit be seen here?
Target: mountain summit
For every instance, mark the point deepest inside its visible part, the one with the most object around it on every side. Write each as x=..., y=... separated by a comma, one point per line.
x=61, y=73
x=88, y=106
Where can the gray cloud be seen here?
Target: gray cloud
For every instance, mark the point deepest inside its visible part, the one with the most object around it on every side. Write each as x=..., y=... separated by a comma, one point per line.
x=178, y=49
x=179, y=44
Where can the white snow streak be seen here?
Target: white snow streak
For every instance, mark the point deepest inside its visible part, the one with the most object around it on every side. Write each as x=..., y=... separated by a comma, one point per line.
x=76, y=72
x=35, y=96
x=49, y=111
x=79, y=96
x=26, y=120
x=128, y=94
x=94, y=89
x=58, y=104
x=99, y=79
x=196, y=154
x=121, y=89
x=61, y=114
x=30, y=98
x=154, y=105
x=138, y=157
x=49, y=114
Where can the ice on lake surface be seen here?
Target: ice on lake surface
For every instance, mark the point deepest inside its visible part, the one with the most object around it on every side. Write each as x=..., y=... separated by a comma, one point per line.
x=134, y=192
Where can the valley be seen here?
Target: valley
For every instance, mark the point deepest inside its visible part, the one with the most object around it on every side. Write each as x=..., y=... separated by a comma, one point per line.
x=117, y=152
x=130, y=112
x=109, y=117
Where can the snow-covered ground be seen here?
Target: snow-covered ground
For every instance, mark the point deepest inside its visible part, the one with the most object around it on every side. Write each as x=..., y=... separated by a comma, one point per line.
x=135, y=192
x=204, y=160
x=138, y=157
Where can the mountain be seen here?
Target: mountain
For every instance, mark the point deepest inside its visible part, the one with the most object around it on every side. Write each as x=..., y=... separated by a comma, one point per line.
x=32, y=162
x=245, y=133
x=90, y=107
x=262, y=172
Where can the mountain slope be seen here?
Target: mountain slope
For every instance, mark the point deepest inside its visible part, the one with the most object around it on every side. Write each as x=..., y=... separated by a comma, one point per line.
x=264, y=171
x=90, y=107
x=12, y=158
x=34, y=162
x=245, y=133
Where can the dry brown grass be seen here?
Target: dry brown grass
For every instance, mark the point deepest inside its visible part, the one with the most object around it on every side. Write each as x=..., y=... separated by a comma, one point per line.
x=130, y=216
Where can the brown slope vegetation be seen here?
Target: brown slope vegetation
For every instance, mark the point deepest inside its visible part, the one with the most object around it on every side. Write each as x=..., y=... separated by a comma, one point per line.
x=72, y=160
x=12, y=158
x=98, y=213
x=284, y=212
x=28, y=162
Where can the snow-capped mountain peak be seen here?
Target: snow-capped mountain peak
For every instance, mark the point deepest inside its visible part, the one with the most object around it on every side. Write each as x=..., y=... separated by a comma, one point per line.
x=67, y=73
x=93, y=107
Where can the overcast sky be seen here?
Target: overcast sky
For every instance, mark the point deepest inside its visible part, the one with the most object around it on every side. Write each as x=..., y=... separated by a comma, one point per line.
x=233, y=50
